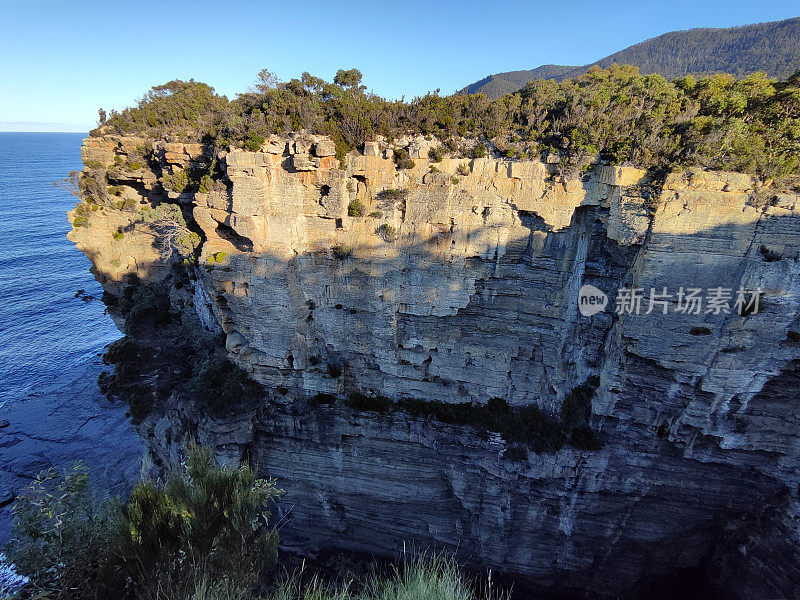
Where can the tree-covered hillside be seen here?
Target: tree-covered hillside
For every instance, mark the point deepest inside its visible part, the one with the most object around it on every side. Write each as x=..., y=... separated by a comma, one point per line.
x=617, y=115
x=773, y=48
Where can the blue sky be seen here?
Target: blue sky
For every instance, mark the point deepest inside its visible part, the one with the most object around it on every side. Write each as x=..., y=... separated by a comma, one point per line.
x=63, y=60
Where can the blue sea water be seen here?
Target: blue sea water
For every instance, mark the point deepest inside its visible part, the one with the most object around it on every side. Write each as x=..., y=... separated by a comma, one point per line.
x=52, y=413
x=46, y=333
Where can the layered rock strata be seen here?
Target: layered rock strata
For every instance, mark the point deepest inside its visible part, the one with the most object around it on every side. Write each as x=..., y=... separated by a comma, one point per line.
x=458, y=281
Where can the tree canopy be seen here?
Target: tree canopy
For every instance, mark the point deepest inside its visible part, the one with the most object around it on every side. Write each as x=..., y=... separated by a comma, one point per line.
x=615, y=114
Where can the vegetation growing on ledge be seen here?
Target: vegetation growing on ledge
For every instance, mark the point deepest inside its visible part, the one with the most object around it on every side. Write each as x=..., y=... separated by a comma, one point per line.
x=615, y=114
x=524, y=427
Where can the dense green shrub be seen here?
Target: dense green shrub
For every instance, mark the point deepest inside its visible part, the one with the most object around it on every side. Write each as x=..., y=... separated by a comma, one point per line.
x=64, y=536
x=479, y=151
x=205, y=519
x=253, y=142
x=175, y=182
x=393, y=194
x=355, y=208
x=205, y=523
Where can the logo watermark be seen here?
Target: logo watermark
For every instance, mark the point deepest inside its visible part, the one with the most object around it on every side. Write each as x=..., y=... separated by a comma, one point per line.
x=591, y=300
x=687, y=301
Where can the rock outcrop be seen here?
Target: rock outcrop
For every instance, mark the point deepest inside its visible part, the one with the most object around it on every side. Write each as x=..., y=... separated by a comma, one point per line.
x=458, y=281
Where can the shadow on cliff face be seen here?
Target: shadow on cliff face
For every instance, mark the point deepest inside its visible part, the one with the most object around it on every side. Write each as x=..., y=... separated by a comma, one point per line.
x=694, y=433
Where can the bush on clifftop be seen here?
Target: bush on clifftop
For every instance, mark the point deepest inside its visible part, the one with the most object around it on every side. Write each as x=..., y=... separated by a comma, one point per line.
x=750, y=125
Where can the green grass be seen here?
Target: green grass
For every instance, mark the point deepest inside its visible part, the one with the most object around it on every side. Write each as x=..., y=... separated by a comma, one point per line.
x=434, y=577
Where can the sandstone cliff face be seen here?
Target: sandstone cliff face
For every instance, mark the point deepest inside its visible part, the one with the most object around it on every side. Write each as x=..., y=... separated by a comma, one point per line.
x=458, y=281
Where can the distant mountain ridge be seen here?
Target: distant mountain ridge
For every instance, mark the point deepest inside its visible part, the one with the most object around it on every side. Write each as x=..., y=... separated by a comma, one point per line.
x=772, y=47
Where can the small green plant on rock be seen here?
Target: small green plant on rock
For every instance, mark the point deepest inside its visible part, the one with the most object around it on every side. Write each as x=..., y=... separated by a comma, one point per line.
x=217, y=258
x=355, y=208
x=387, y=232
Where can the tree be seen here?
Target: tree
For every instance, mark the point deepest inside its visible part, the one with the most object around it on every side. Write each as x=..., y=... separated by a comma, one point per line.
x=267, y=80
x=349, y=79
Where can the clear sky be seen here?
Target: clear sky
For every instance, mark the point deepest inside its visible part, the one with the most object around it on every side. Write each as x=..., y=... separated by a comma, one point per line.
x=62, y=60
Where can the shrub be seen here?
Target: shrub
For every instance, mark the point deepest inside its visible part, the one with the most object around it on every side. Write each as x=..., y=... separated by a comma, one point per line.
x=118, y=235
x=64, y=536
x=498, y=406
x=584, y=438
x=204, y=523
x=376, y=214
x=216, y=258
x=126, y=204
x=387, y=232
x=436, y=154
x=616, y=113
x=479, y=151
x=364, y=402
x=342, y=252
x=135, y=166
x=221, y=386
x=516, y=453
x=322, y=399
x=576, y=408
x=355, y=208
x=393, y=194
x=462, y=169
x=253, y=142
x=402, y=160
x=81, y=217
x=176, y=182
x=454, y=180
x=205, y=520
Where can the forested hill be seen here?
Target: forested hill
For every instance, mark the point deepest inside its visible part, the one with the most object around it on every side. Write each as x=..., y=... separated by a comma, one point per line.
x=770, y=47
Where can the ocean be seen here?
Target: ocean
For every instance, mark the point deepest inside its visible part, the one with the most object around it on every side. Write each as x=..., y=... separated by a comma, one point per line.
x=51, y=341
x=46, y=333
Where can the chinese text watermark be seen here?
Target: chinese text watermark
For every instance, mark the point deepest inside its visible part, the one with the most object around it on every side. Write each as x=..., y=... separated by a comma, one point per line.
x=684, y=300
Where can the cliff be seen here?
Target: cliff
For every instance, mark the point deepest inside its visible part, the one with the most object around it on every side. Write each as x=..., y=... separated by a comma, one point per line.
x=366, y=299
